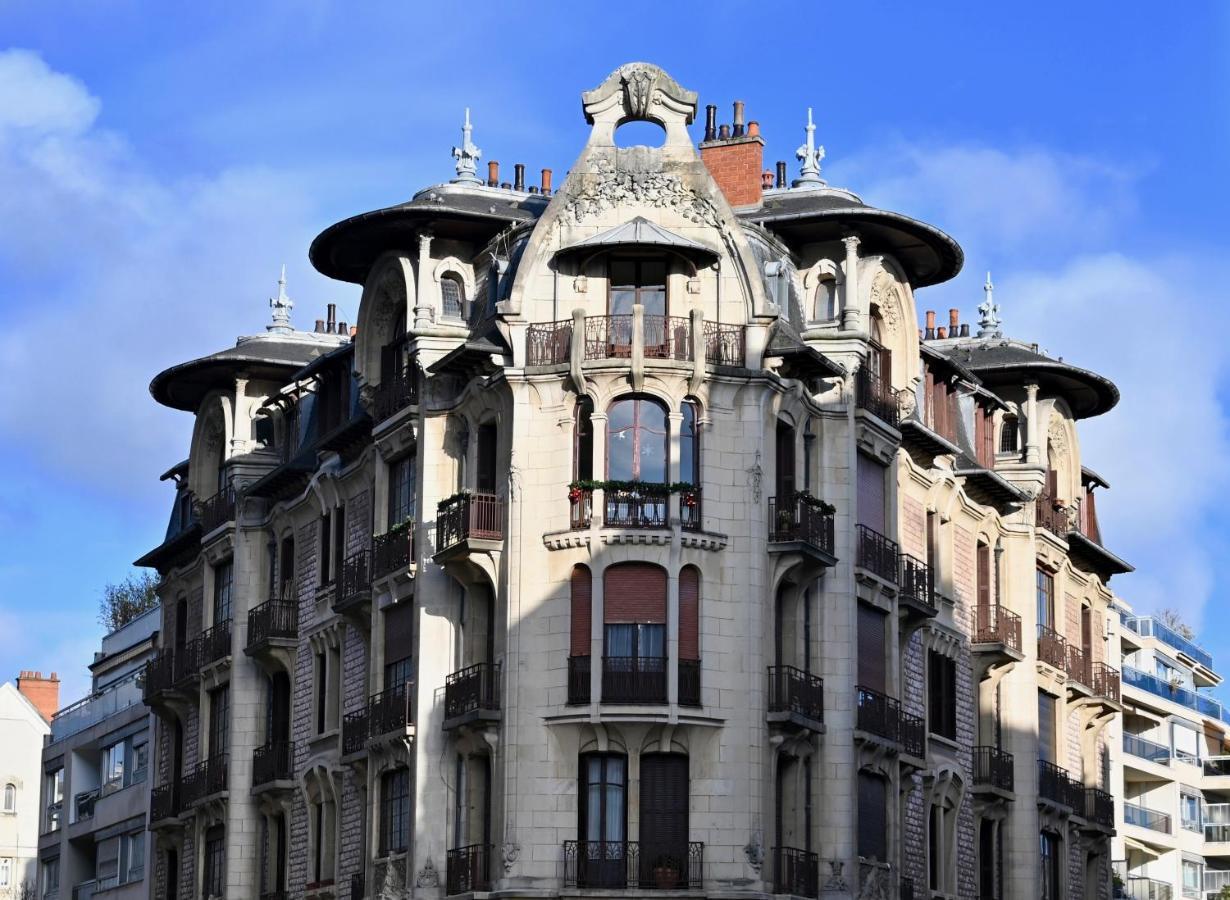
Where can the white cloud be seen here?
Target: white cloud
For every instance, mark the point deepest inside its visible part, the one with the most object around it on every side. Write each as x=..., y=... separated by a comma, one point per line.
x=36, y=100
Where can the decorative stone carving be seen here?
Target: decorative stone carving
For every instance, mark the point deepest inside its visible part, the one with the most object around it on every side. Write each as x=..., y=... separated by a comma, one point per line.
x=639, y=82
x=612, y=187
x=886, y=298
x=755, y=475
x=754, y=851
x=428, y=876
x=511, y=853
x=393, y=885
x=1057, y=437
x=873, y=883
x=835, y=881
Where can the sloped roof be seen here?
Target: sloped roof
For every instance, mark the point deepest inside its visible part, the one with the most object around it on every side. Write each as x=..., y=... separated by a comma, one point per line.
x=642, y=234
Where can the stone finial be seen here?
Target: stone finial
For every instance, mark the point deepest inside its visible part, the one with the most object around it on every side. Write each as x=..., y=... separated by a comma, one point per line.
x=467, y=156
x=810, y=155
x=281, y=306
x=988, y=313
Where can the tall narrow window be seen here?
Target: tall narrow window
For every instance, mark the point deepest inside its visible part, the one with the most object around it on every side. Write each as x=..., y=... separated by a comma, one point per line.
x=398, y=645
x=214, y=881
x=1045, y=584
x=583, y=446
x=871, y=494
x=580, y=623
x=664, y=813
x=1047, y=749
x=487, y=451
x=871, y=644
x=983, y=577
x=219, y=720
x=325, y=527
x=785, y=486
x=286, y=569
x=826, y=299
x=402, y=490
x=452, y=297
x=942, y=695
x=603, y=806
x=1051, y=866
x=637, y=441
x=872, y=816
x=1009, y=430
x=321, y=691
x=339, y=541
x=394, y=811
x=223, y=576
x=634, y=663
x=880, y=359
x=809, y=454
x=10, y=798
x=689, y=445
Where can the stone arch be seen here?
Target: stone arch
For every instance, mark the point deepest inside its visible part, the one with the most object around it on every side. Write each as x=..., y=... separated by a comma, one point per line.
x=1063, y=453
x=464, y=273
x=211, y=435
x=823, y=285
x=388, y=299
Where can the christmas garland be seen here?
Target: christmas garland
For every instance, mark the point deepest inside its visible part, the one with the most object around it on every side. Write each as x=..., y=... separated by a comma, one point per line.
x=645, y=487
x=814, y=502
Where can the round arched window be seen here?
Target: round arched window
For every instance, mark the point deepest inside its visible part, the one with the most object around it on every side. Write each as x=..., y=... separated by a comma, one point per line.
x=637, y=441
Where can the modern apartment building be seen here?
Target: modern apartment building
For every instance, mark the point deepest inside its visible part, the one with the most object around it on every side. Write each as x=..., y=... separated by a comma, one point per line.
x=24, y=710
x=95, y=785
x=638, y=538
x=1173, y=806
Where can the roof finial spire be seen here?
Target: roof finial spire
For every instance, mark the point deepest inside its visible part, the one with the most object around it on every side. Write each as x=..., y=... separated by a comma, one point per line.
x=988, y=319
x=810, y=155
x=281, y=306
x=467, y=156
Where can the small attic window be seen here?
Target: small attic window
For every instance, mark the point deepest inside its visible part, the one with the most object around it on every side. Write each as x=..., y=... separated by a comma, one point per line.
x=1008, y=433
x=826, y=299
x=452, y=296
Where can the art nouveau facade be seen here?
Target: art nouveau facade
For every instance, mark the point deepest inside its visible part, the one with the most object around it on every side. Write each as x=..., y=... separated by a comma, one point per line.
x=640, y=540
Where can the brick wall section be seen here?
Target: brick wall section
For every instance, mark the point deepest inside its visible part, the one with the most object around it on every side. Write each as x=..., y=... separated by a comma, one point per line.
x=914, y=826
x=965, y=591
x=913, y=527
x=307, y=577
x=736, y=166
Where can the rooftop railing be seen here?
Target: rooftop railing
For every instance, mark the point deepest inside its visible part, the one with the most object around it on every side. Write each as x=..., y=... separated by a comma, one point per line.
x=1148, y=626
x=91, y=710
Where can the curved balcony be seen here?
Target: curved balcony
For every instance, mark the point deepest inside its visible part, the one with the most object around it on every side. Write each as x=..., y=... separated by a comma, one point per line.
x=613, y=338
x=796, y=698
x=623, y=865
x=472, y=695
x=804, y=524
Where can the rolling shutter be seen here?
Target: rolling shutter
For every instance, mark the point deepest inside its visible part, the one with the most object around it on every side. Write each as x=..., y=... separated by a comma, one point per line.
x=689, y=613
x=634, y=592
x=582, y=610
x=871, y=494
x=664, y=810
x=871, y=648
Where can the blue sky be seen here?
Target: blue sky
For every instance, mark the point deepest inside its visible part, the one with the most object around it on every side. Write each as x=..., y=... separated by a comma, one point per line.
x=156, y=170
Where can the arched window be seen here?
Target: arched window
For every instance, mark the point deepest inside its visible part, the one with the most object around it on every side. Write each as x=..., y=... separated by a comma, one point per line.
x=689, y=444
x=1009, y=432
x=634, y=634
x=583, y=441
x=452, y=297
x=638, y=441
x=10, y=798
x=826, y=298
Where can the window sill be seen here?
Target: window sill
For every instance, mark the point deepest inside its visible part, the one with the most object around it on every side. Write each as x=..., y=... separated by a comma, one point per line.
x=945, y=741
x=323, y=740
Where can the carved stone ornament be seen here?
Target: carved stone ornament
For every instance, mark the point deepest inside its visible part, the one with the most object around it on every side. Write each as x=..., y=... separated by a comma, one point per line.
x=755, y=475
x=886, y=298
x=907, y=403
x=612, y=187
x=754, y=851
x=511, y=853
x=1057, y=437
x=873, y=883
x=835, y=881
x=639, y=82
x=393, y=887
x=428, y=876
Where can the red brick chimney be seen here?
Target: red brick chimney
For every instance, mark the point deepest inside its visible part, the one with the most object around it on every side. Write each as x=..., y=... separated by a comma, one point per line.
x=737, y=161
x=44, y=693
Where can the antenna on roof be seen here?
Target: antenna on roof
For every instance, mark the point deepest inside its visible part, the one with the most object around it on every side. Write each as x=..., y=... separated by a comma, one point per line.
x=281, y=306
x=810, y=155
x=988, y=313
x=467, y=156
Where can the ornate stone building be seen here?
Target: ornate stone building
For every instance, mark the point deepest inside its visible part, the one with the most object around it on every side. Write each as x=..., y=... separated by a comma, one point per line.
x=639, y=539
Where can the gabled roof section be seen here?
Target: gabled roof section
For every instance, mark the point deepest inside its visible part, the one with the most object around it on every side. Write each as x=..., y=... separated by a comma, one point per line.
x=641, y=234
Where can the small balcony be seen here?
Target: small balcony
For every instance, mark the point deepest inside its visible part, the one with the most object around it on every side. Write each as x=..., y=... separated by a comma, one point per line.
x=387, y=716
x=916, y=582
x=634, y=679
x=207, y=780
x=644, y=506
x=877, y=714
x=273, y=623
x=164, y=805
x=467, y=869
x=578, y=680
x=876, y=396
x=796, y=872
x=215, y=644
x=1152, y=819
x=1105, y=681
x=1214, y=766
x=468, y=517
x=621, y=865
x=393, y=551
x=1052, y=648
x=997, y=629
x=993, y=770
x=612, y=337
x=159, y=675
x=1141, y=887
x=1077, y=667
x=796, y=698
x=1056, y=787
x=1143, y=748
x=218, y=510
x=472, y=695
x=802, y=522
x=876, y=554
x=356, y=726
x=913, y=736
x=1099, y=809
x=273, y=762
x=354, y=586
x=580, y=508
x=397, y=390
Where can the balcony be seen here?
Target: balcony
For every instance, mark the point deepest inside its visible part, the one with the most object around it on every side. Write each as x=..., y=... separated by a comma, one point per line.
x=1143, y=817
x=876, y=554
x=993, y=769
x=1216, y=818
x=387, y=716
x=724, y=344
x=875, y=395
x=472, y=695
x=805, y=523
x=997, y=633
x=1105, y=681
x=1057, y=787
x=217, y=510
x=796, y=697
x=796, y=872
x=916, y=582
x=1049, y=514
x=207, y=780
x=273, y=762
x=1217, y=766
x=96, y=707
x=393, y=551
x=1099, y=809
x=1144, y=748
x=1052, y=648
x=878, y=714
x=83, y=804
x=469, y=517
x=578, y=680
x=612, y=337
x=1139, y=887
x=621, y=865
x=1077, y=667
x=354, y=586
x=644, y=506
x=215, y=644
x=164, y=805
x=396, y=391
x=689, y=682
x=467, y=869
x=913, y=735
x=159, y=675
x=356, y=727
x=634, y=679
x=580, y=508
x=1175, y=693
x=1147, y=626
x=274, y=621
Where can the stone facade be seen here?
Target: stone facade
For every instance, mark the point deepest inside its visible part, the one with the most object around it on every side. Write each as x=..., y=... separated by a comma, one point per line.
x=637, y=539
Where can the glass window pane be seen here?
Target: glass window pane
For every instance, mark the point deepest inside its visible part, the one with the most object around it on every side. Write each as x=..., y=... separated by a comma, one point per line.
x=653, y=273
x=622, y=302
x=620, y=640
x=652, y=642
x=623, y=273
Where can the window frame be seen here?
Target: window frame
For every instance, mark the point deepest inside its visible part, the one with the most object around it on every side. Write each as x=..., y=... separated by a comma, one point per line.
x=10, y=798
x=637, y=429
x=395, y=811
x=640, y=285
x=453, y=279
x=941, y=695
x=605, y=786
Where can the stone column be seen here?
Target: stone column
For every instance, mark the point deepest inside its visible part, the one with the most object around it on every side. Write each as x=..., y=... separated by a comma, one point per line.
x=424, y=308
x=1033, y=454
x=851, y=319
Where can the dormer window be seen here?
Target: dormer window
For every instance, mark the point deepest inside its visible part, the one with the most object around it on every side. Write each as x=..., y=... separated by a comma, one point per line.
x=452, y=297
x=1008, y=435
x=634, y=281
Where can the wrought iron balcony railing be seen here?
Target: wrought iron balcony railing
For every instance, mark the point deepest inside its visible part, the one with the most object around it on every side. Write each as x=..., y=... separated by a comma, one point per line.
x=274, y=761
x=1105, y=681
x=392, y=551
x=792, y=690
x=876, y=553
x=468, y=869
x=355, y=585
x=578, y=679
x=796, y=872
x=1052, y=648
x=1099, y=807
x=993, y=768
x=689, y=682
x=878, y=714
x=995, y=624
x=916, y=581
x=472, y=689
x=801, y=518
x=633, y=679
x=469, y=516
x=206, y=780
x=631, y=864
x=215, y=643
x=217, y=510
x=875, y=395
x=643, y=507
x=273, y=619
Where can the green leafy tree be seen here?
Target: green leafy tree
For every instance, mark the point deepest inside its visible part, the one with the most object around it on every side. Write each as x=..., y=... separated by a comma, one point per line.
x=123, y=602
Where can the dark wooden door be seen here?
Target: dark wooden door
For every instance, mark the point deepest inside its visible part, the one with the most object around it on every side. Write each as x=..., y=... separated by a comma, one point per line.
x=785, y=464
x=664, y=820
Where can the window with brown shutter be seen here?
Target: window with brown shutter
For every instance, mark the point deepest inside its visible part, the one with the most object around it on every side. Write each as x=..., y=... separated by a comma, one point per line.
x=785, y=462
x=871, y=644
x=1047, y=750
x=871, y=493
x=398, y=644
x=872, y=817
x=582, y=610
x=689, y=613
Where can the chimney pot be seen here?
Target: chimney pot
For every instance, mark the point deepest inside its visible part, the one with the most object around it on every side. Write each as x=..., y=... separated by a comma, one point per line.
x=781, y=173
x=331, y=322
x=546, y=181
x=724, y=133
x=964, y=329
x=342, y=329
x=519, y=177
x=941, y=333
x=753, y=128
x=320, y=326
x=493, y=173
x=506, y=186
x=954, y=317
x=766, y=179
x=710, y=122
x=929, y=332
x=738, y=129
x=533, y=189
